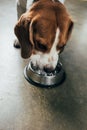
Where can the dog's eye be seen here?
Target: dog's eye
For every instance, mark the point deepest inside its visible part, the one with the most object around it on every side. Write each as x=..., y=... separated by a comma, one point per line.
x=41, y=46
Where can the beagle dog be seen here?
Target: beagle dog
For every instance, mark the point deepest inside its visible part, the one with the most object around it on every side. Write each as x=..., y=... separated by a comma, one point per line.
x=43, y=32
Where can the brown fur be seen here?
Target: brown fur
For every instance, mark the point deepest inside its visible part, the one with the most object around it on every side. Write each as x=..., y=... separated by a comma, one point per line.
x=36, y=28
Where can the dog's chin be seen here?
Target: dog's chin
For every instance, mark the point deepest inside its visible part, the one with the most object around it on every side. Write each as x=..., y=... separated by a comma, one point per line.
x=43, y=62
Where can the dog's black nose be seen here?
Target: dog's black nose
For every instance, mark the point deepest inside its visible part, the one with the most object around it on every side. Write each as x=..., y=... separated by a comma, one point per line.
x=48, y=69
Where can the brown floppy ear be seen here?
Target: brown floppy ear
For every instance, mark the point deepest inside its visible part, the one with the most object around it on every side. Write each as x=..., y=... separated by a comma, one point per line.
x=22, y=32
x=65, y=25
x=69, y=31
x=65, y=33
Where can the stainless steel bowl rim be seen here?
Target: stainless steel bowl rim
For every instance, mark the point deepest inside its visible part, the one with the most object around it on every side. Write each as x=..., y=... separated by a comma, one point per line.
x=50, y=76
x=43, y=80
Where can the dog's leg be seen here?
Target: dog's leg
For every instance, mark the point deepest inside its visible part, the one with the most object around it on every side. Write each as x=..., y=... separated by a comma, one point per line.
x=21, y=7
x=16, y=43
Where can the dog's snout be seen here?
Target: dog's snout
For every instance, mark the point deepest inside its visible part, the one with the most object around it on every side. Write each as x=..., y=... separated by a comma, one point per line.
x=45, y=62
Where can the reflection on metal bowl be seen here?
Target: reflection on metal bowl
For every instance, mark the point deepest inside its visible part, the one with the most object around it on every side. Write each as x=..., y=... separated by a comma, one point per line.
x=41, y=78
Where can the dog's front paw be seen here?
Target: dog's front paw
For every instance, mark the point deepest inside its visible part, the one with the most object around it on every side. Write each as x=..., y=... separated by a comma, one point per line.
x=16, y=43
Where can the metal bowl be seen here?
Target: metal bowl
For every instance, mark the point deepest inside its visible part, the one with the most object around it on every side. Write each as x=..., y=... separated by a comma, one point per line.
x=41, y=78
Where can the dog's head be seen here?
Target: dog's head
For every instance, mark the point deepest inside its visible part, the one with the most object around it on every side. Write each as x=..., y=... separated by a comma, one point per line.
x=43, y=32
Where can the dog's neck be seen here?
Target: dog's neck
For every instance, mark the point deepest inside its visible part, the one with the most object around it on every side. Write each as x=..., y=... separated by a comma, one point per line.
x=29, y=2
x=62, y=1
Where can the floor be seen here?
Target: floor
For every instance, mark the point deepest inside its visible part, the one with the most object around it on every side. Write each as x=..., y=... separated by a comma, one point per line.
x=26, y=107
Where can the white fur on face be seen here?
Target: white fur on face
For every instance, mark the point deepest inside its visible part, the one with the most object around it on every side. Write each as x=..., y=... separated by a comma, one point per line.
x=50, y=59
